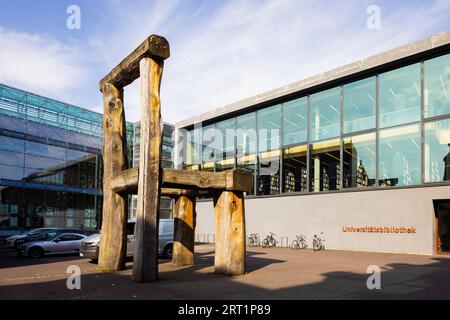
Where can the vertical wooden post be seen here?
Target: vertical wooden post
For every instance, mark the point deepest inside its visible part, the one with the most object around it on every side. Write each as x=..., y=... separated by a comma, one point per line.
x=145, y=262
x=113, y=241
x=184, y=233
x=230, y=233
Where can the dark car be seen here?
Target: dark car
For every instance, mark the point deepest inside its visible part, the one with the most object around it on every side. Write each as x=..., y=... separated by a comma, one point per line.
x=49, y=233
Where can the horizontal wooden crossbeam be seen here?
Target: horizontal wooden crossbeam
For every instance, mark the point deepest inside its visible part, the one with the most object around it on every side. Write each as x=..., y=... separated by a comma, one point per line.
x=127, y=71
x=187, y=182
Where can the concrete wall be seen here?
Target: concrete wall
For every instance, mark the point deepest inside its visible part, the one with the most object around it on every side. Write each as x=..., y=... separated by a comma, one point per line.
x=329, y=213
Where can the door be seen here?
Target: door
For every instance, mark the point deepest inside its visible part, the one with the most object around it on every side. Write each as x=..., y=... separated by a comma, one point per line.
x=67, y=243
x=61, y=244
x=442, y=212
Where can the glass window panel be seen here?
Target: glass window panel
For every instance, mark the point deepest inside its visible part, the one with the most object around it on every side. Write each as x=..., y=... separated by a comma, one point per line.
x=208, y=147
x=360, y=105
x=225, y=144
x=246, y=134
x=11, y=123
x=294, y=169
x=84, y=139
x=295, y=121
x=11, y=172
x=246, y=138
x=45, y=131
x=269, y=126
x=437, y=86
x=269, y=173
x=400, y=156
x=11, y=144
x=191, y=157
x=400, y=97
x=325, y=114
x=437, y=151
x=45, y=150
x=360, y=161
x=11, y=158
x=247, y=162
x=325, y=166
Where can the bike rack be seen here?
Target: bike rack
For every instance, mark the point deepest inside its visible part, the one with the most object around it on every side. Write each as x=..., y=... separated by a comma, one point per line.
x=209, y=236
x=287, y=242
x=201, y=236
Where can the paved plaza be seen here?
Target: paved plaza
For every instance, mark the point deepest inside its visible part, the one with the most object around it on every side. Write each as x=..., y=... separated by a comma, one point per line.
x=272, y=274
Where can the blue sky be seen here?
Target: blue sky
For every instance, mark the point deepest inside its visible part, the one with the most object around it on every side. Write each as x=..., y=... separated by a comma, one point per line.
x=222, y=51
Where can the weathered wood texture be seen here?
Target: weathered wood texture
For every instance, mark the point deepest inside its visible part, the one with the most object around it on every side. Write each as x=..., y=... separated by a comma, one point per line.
x=230, y=233
x=145, y=261
x=155, y=47
x=113, y=241
x=184, y=231
x=231, y=180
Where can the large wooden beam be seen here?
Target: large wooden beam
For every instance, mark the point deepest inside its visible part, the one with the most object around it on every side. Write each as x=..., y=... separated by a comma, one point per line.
x=126, y=183
x=230, y=180
x=184, y=231
x=145, y=261
x=155, y=47
x=230, y=234
x=113, y=241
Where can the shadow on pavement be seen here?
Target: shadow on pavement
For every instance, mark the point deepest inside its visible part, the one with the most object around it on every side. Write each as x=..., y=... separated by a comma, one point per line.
x=399, y=281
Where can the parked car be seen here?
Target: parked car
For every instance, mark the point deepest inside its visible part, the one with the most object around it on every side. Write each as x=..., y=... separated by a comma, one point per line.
x=10, y=241
x=45, y=233
x=90, y=245
x=8, y=232
x=54, y=243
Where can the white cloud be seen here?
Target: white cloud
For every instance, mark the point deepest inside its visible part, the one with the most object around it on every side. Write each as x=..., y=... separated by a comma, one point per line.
x=221, y=52
x=39, y=63
x=243, y=48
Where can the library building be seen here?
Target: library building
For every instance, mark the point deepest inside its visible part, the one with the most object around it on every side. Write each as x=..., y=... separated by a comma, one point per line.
x=360, y=153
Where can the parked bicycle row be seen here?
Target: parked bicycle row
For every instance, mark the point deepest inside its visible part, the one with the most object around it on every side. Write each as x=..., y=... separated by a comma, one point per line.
x=299, y=243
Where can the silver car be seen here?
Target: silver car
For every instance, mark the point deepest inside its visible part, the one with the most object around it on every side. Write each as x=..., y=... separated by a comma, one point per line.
x=11, y=241
x=55, y=243
x=89, y=245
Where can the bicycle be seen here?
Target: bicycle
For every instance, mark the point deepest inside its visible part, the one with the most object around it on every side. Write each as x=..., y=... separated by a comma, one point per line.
x=269, y=241
x=318, y=243
x=253, y=240
x=299, y=243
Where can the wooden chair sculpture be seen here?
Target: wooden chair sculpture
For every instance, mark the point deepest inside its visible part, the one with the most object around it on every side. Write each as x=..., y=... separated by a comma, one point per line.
x=150, y=181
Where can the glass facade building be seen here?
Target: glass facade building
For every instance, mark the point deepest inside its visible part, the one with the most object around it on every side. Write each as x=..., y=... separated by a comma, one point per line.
x=387, y=128
x=50, y=162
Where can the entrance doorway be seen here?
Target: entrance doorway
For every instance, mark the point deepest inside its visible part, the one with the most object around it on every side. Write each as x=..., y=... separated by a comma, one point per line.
x=442, y=214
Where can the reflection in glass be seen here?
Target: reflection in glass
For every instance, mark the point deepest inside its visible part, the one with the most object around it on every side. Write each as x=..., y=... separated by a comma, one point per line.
x=246, y=138
x=208, y=147
x=294, y=169
x=360, y=161
x=191, y=149
x=437, y=86
x=400, y=96
x=359, y=105
x=325, y=114
x=295, y=121
x=437, y=151
x=225, y=145
x=9, y=172
x=325, y=166
x=400, y=156
x=269, y=126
